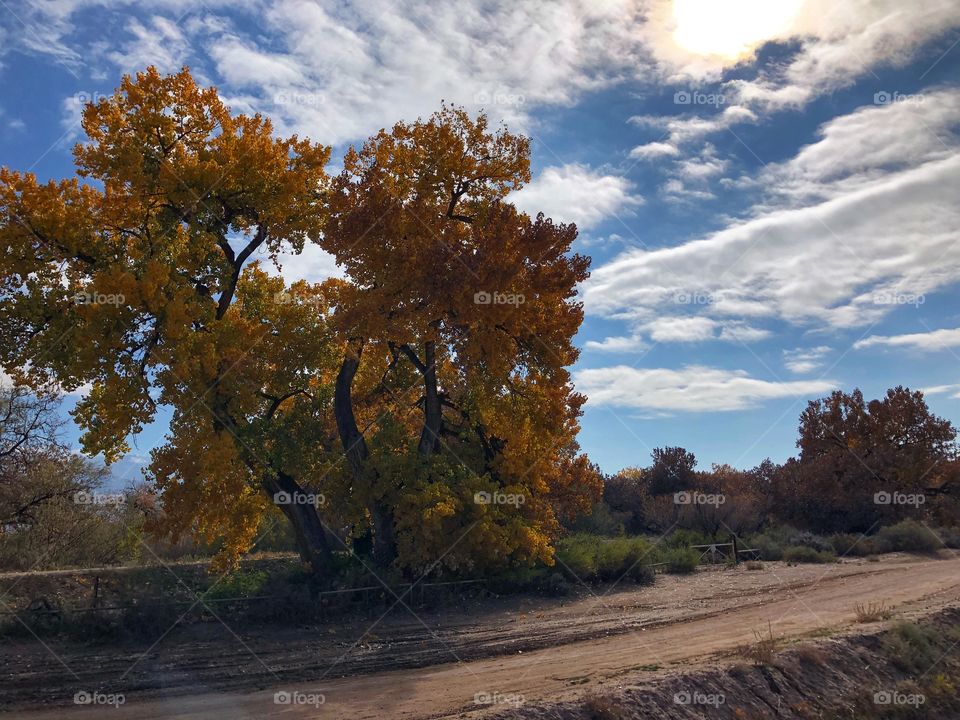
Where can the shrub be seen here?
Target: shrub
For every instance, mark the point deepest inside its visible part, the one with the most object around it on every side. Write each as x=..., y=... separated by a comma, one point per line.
x=590, y=557
x=872, y=612
x=907, y=536
x=577, y=556
x=762, y=649
x=685, y=538
x=237, y=584
x=912, y=647
x=811, y=540
x=680, y=560
x=804, y=554
x=771, y=542
x=950, y=536
x=852, y=545
x=612, y=559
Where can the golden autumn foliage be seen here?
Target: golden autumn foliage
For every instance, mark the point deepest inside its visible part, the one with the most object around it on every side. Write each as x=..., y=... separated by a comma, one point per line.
x=402, y=393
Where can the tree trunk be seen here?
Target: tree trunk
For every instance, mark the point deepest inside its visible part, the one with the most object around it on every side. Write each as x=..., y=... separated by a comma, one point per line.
x=355, y=448
x=432, y=412
x=308, y=530
x=354, y=444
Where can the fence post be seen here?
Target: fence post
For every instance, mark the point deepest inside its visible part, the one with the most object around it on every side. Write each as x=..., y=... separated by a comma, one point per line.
x=96, y=592
x=736, y=555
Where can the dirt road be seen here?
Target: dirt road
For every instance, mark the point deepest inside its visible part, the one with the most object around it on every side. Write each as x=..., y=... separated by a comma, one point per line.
x=683, y=622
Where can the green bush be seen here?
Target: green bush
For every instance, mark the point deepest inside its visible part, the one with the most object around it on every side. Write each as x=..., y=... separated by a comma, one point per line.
x=591, y=557
x=907, y=536
x=912, y=647
x=577, y=556
x=810, y=540
x=804, y=554
x=237, y=584
x=680, y=560
x=769, y=548
x=685, y=538
x=852, y=545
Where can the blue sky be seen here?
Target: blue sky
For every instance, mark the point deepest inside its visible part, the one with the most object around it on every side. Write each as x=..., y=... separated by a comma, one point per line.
x=768, y=190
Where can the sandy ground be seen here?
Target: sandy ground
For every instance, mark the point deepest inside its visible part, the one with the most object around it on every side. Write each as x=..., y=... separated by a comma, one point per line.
x=451, y=665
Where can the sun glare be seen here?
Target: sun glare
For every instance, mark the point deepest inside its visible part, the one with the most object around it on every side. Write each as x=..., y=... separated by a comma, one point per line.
x=730, y=28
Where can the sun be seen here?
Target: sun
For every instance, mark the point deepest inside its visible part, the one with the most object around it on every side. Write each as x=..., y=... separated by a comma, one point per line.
x=730, y=28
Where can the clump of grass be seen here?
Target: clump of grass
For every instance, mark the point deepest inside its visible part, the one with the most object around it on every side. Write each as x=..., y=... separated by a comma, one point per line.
x=602, y=707
x=912, y=647
x=812, y=655
x=762, y=649
x=872, y=612
x=754, y=565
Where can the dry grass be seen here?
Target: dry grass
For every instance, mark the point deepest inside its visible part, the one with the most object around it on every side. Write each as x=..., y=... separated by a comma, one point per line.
x=872, y=612
x=811, y=655
x=762, y=649
x=602, y=707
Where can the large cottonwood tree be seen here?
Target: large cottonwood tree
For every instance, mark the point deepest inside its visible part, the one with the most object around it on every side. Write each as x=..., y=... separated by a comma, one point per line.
x=397, y=394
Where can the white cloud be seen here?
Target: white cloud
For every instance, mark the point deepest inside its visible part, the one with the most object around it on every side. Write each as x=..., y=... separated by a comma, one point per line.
x=681, y=129
x=654, y=150
x=927, y=341
x=841, y=41
x=804, y=360
x=313, y=265
x=575, y=193
x=378, y=62
x=693, y=388
x=620, y=344
x=943, y=390
x=848, y=227
x=245, y=66
x=160, y=42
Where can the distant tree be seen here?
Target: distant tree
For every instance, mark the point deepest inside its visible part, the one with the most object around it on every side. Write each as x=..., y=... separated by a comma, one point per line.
x=673, y=470
x=30, y=455
x=625, y=493
x=852, y=450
